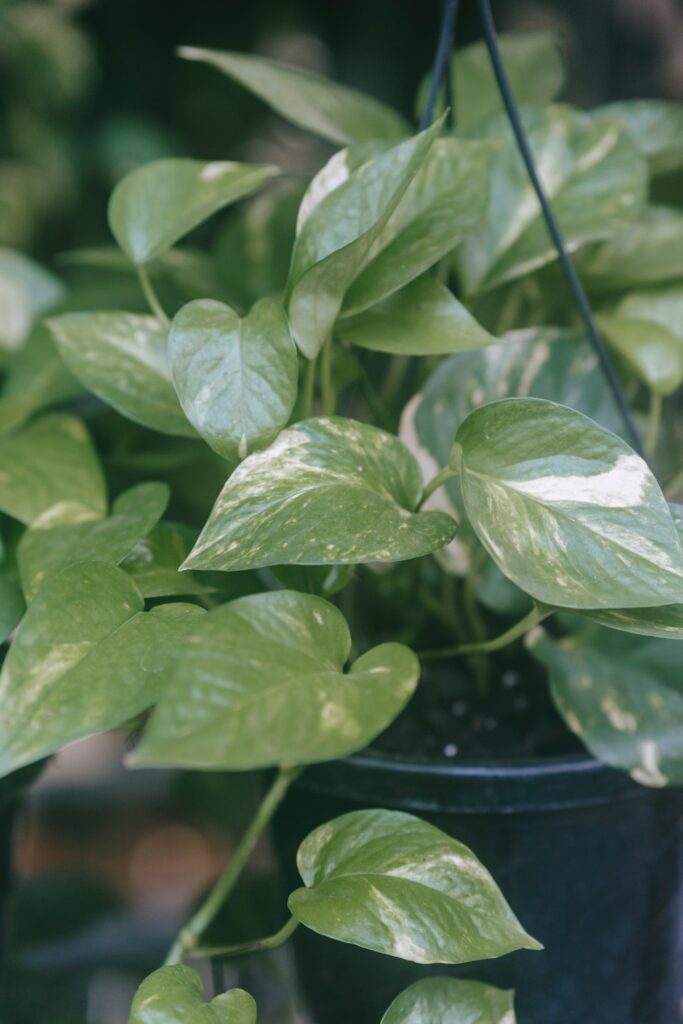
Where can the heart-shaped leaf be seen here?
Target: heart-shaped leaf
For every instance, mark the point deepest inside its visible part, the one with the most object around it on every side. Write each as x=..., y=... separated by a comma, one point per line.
x=566, y=509
x=651, y=351
x=122, y=358
x=154, y=561
x=390, y=882
x=47, y=462
x=86, y=658
x=335, y=240
x=156, y=204
x=327, y=490
x=69, y=532
x=236, y=377
x=622, y=696
x=325, y=108
x=261, y=683
x=175, y=995
x=593, y=175
x=422, y=319
x=656, y=127
x=451, y=1001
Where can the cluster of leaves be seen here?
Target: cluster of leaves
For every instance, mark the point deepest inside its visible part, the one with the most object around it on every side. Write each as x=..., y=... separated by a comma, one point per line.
x=509, y=478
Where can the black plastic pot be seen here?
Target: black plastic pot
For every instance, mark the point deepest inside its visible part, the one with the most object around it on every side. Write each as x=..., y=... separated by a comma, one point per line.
x=591, y=863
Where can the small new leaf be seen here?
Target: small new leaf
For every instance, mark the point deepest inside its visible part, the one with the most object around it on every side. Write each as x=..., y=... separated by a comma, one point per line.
x=175, y=995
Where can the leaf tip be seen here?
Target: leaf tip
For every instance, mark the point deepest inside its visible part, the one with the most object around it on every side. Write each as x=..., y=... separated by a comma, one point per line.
x=189, y=53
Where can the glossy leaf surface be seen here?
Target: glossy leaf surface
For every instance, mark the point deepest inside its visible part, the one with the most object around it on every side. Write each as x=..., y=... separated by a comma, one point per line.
x=236, y=377
x=26, y=291
x=451, y=1001
x=85, y=659
x=158, y=203
x=650, y=350
x=175, y=995
x=388, y=881
x=261, y=683
x=568, y=511
x=325, y=108
x=47, y=462
x=327, y=490
x=122, y=358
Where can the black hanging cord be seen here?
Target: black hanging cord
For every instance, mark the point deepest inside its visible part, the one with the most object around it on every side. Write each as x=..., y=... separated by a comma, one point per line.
x=441, y=71
x=553, y=228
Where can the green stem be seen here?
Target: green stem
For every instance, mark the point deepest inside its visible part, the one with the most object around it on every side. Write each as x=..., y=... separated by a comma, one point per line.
x=535, y=616
x=187, y=940
x=257, y=946
x=308, y=390
x=151, y=296
x=447, y=473
x=327, y=392
x=653, y=424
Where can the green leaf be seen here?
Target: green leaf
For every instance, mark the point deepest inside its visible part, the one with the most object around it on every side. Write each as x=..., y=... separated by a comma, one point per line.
x=656, y=127
x=47, y=462
x=661, y=305
x=85, y=659
x=236, y=377
x=451, y=1001
x=447, y=197
x=650, y=350
x=12, y=604
x=175, y=995
x=534, y=66
x=422, y=319
x=622, y=696
x=567, y=510
x=70, y=532
x=153, y=565
x=593, y=175
x=337, y=236
x=261, y=683
x=325, y=108
x=26, y=291
x=387, y=881
x=326, y=491
x=122, y=358
x=35, y=377
x=158, y=203
x=646, y=251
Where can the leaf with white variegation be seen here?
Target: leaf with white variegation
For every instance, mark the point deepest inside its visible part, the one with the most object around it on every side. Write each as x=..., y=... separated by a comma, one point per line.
x=260, y=683
x=568, y=511
x=310, y=101
x=326, y=491
x=85, y=659
x=122, y=358
x=336, y=239
x=622, y=696
x=175, y=995
x=451, y=1001
x=422, y=319
x=47, y=462
x=236, y=377
x=70, y=532
x=156, y=204
x=388, y=881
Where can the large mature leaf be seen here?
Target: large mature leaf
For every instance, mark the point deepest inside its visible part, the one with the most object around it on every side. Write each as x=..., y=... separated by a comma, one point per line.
x=26, y=291
x=451, y=1001
x=534, y=66
x=326, y=108
x=656, y=127
x=154, y=561
x=335, y=240
x=35, y=377
x=158, y=203
x=567, y=510
x=49, y=461
x=593, y=175
x=85, y=658
x=387, y=881
x=327, y=490
x=261, y=683
x=447, y=197
x=622, y=695
x=175, y=995
x=645, y=251
x=236, y=377
x=422, y=319
x=70, y=532
x=651, y=350
x=122, y=358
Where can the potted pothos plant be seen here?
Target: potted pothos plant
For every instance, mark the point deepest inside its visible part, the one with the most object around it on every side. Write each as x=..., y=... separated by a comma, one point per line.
x=412, y=563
